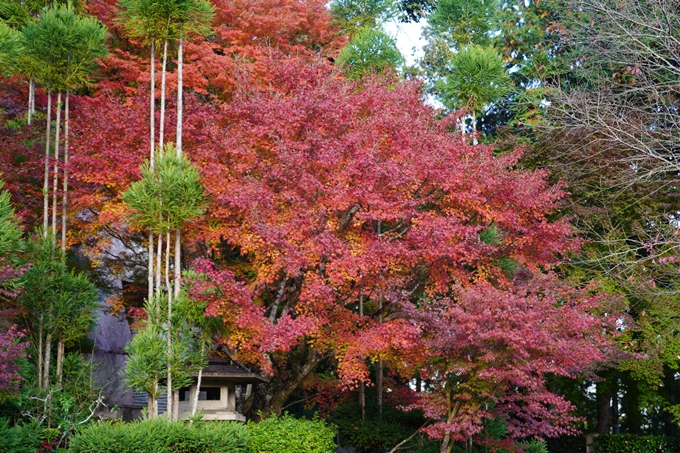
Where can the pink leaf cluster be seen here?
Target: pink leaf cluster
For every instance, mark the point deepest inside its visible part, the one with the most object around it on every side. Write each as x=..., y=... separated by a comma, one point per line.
x=11, y=349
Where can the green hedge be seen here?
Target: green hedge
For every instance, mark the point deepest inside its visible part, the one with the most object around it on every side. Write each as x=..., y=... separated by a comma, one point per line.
x=631, y=443
x=288, y=434
x=274, y=435
x=161, y=436
x=567, y=444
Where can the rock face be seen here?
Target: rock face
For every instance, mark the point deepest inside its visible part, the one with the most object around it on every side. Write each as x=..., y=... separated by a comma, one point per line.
x=110, y=337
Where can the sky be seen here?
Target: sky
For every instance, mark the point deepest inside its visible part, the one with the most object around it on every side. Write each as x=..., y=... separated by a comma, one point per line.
x=409, y=38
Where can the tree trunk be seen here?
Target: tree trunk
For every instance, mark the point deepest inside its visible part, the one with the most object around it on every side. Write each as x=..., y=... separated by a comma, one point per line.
x=150, y=403
x=604, y=397
x=270, y=398
x=379, y=370
x=178, y=142
x=40, y=352
x=474, y=129
x=152, y=108
x=60, y=361
x=31, y=100
x=169, y=323
x=152, y=152
x=175, y=404
x=64, y=200
x=180, y=103
x=447, y=443
x=150, y=270
x=46, y=183
x=159, y=251
x=615, y=407
x=362, y=386
x=55, y=182
x=46, y=368
x=178, y=261
x=198, y=385
x=162, y=118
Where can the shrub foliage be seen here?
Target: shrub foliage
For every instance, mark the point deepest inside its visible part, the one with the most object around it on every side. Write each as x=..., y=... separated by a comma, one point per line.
x=631, y=443
x=288, y=434
x=161, y=436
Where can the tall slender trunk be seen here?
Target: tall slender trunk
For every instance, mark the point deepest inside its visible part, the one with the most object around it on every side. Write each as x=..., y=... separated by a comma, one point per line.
x=180, y=102
x=362, y=386
x=40, y=351
x=198, y=384
x=474, y=129
x=152, y=152
x=57, y=137
x=64, y=200
x=178, y=140
x=380, y=369
x=60, y=361
x=178, y=261
x=162, y=117
x=46, y=367
x=152, y=107
x=159, y=251
x=169, y=322
x=31, y=100
x=151, y=291
x=46, y=181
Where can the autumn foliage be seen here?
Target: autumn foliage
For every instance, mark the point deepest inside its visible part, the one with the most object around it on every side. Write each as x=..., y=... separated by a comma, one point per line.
x=324, y=194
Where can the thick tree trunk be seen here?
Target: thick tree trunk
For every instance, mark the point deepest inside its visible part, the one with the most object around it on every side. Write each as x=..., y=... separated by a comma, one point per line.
x=150, y=403
x=64, y=200
x=604, y=397
x=46, y=181
x=55, y=182
x=270, y=398
x=175, y=404
x=46, y=367
x=162, y=117
x=615, y=407
x=60, y=361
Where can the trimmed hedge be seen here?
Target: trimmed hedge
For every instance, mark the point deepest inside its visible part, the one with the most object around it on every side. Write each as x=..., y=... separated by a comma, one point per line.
x=288, y=434
x=567, y=444
x=631, y=443
x=161, y=436
x=274, y=435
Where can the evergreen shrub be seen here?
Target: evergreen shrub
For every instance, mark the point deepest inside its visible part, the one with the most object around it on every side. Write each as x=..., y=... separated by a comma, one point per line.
x=161, y=436
x=288, y=434
x=631, y=443
x=17, y=439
